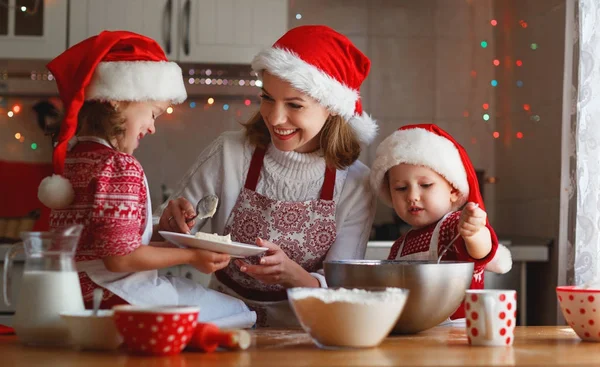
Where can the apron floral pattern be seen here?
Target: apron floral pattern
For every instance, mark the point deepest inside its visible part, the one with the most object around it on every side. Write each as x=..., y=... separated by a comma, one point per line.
x=304, y=230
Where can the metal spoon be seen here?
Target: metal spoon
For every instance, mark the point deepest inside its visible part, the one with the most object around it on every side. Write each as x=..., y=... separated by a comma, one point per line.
x=206, y=208
x=446, y=248
x=450, y=244
x=97, y=299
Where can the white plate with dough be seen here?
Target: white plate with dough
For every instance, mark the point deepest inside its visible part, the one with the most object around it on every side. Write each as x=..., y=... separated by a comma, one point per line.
x=235, y=249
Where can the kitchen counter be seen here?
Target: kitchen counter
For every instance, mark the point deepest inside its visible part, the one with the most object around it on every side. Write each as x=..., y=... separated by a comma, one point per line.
x=522, y=248
x=440, y=346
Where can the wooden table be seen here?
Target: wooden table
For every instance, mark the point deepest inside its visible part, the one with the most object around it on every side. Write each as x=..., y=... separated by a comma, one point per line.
x=440, y=346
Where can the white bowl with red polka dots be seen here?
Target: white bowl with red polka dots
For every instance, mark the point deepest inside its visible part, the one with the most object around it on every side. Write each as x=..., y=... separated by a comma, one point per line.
x=581, y=309
x=164, y=330
x=490, y=316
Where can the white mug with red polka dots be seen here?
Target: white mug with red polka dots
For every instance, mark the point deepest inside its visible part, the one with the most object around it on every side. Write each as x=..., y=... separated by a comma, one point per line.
x=491, y=316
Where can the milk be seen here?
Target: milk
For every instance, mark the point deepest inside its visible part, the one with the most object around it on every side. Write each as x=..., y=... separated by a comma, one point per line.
x=43, y=296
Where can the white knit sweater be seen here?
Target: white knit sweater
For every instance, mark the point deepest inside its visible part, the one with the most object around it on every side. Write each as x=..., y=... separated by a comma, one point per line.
x=222, y=167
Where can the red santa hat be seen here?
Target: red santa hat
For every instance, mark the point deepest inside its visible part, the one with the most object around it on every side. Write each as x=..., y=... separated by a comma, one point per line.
x=112, y=66
x=429, y=146
x=325, y=65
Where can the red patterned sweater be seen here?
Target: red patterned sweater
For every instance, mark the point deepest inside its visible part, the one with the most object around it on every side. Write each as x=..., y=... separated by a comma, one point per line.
x=110, y=201
x=417, y=240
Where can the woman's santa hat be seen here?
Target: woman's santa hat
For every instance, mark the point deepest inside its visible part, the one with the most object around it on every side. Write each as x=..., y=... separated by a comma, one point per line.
x=325, y=65
x=429, y=146
x=112, y=66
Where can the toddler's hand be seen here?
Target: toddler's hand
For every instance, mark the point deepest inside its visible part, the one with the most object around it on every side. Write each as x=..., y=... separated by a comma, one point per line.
x=208, y=262
x=472, y=219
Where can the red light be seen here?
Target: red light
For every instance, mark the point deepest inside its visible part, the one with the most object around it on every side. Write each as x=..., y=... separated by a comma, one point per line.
x=496, y=134
x=473, y=73
x=526, y=107
x=485, y=106
x=519, y=135
x=523, y=23
x=247, y=102
x=466, y=113
x=494, y=22
x=496, y=62
x=473, y=140
x=519, y=63
x=16, y=108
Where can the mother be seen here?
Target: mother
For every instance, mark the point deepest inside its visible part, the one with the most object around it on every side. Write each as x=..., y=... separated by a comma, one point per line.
x=290, y=181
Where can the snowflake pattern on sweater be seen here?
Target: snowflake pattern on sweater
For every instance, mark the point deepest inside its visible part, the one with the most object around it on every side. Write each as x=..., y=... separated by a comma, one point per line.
x=110, y=201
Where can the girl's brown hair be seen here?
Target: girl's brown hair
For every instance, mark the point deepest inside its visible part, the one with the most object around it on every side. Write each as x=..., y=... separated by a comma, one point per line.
x=101, y=119
x=338, y=141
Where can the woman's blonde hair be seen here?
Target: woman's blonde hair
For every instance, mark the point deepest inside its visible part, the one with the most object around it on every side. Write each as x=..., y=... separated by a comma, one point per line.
x=102, y=119
x=338, y=141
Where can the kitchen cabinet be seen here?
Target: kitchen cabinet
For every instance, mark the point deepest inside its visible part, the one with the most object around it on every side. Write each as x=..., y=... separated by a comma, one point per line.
x=229, y=31
x=152, y=18
x=195, y=31
x=32, y=29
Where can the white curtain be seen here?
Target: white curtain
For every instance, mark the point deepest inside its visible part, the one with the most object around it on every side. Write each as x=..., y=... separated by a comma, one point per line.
x=586, y=251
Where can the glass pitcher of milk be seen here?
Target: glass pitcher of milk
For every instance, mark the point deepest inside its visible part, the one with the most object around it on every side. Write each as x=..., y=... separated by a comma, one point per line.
x=50, y=285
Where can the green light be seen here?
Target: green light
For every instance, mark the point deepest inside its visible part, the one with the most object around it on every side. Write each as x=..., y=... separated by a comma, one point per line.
x=484, y=44
x=534, y=46
x=535, y=118
x=494, y=82
x=33, y=146
x=486, y=117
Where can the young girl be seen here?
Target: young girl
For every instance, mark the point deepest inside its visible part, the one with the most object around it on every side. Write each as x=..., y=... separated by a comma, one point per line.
x=114, y=86
x=291, y=181
x=429, y=180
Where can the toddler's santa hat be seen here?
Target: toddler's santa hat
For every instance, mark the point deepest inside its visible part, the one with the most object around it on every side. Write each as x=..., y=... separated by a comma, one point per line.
x=429, y=146
x=325, y=65
x=112, y=66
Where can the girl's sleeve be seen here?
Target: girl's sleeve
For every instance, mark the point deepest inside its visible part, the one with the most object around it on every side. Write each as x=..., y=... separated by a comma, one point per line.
x=459, y=252
x=118, y=206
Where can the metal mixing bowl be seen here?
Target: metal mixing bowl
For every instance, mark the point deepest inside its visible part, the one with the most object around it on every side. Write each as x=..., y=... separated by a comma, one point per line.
x=436, y=290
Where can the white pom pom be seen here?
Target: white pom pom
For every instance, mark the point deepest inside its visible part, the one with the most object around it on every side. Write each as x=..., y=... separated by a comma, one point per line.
x=364, y=127
x=502, y=261
x=56, y=192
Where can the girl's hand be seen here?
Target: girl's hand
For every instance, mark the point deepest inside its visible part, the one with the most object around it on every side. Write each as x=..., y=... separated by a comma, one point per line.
x=174, y=215
x=472, y=220
x=207, y=261
x=277, y=268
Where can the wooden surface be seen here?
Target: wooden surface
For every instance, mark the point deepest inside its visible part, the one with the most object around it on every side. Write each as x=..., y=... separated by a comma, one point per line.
x=441, y=346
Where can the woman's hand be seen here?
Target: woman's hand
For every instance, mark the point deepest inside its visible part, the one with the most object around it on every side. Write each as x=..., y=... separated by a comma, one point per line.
x=207, y=261
x=174, y=216
x=277, y=268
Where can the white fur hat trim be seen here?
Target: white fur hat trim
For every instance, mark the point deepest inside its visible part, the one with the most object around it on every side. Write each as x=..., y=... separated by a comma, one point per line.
x=422, y=148
x=137, y=81
x=56, y=192
x=502, y=261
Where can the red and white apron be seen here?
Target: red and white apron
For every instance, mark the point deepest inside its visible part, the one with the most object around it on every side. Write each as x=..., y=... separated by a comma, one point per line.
x=305, y=230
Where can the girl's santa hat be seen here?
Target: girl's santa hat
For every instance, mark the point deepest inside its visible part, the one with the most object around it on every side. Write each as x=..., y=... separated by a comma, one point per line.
x=325, y=65
x=112, y=66
x=429, y=146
